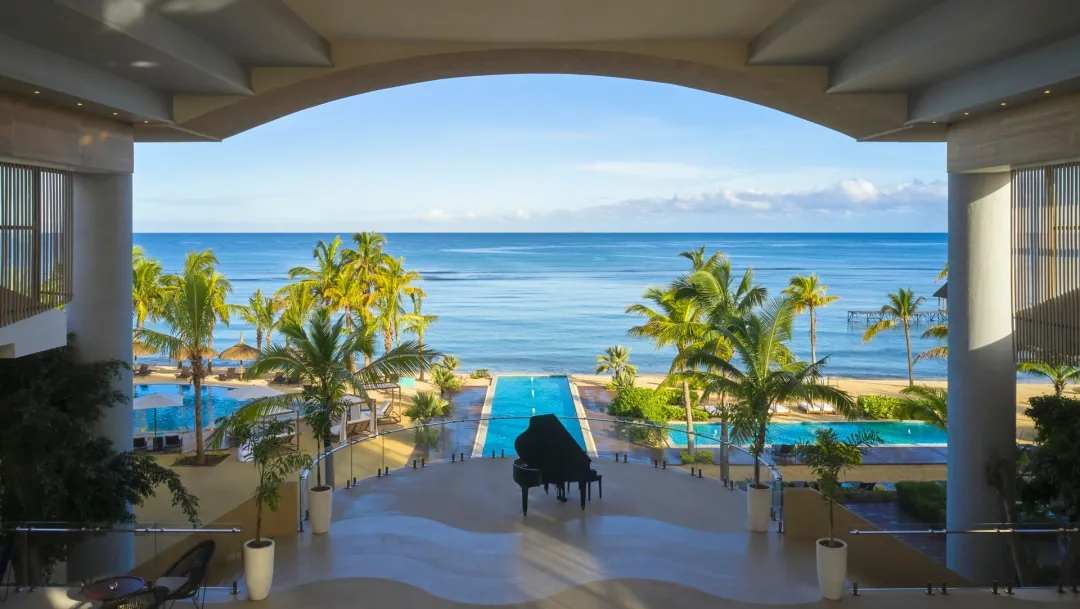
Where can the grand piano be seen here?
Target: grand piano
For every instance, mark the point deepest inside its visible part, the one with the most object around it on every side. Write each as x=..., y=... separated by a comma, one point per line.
x=549, y=455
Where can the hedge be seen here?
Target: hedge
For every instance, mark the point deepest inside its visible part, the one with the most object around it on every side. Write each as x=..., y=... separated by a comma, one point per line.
x=652, y=405
x=879, y=406
x=701, y=456
x=922, y=500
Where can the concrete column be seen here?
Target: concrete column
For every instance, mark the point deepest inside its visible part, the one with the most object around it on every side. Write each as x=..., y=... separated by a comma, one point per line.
x=982, y=372
x=100, y=317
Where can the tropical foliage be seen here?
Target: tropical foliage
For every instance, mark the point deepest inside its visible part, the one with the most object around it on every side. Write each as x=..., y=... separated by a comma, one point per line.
x=426, y=406
x=1059, y=375
x=808, y=294
x=616, y=360
x=829, y=456
x=899, y=311
x=924, y=403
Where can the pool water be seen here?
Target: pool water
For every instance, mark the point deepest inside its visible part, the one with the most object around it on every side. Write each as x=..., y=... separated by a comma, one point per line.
x=519, y=396
x=891, y=432
x=182, y=418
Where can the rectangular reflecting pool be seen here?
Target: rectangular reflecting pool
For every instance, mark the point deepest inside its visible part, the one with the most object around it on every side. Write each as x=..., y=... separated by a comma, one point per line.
x=524, y=396
x=891, y=432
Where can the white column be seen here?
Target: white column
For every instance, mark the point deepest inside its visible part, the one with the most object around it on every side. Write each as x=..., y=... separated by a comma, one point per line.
x=100, y=317
x=982, y=372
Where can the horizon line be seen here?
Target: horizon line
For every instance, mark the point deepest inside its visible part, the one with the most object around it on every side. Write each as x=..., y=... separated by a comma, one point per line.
x=339, y=232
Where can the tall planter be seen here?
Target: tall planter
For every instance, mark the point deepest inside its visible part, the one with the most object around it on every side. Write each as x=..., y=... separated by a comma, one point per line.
x=831, y=568
x=320, y=508
x=258, y=568
x=758, y=507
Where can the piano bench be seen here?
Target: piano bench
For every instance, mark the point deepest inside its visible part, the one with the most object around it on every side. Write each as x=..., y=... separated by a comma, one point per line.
x=599, y=479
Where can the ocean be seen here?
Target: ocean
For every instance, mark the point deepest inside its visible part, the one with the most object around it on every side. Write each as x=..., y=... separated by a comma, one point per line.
x=549, y=303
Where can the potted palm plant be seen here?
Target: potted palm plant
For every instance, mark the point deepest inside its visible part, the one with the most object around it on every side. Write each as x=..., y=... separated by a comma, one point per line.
x=274, y=457
x=828, y=457
x=762, y=372
x=321, y=354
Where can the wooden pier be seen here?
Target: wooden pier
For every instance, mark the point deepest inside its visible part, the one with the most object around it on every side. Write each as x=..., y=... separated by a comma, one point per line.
x=940, y=316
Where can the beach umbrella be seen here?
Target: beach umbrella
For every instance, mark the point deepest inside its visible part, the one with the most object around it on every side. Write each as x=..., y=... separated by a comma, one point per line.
x=239, y=353
x=204, y=353
x=254, y=392
x=140, y=348
x=155, y=401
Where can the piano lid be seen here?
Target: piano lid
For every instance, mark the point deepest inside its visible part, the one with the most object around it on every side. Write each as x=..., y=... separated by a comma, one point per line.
x=548, y=446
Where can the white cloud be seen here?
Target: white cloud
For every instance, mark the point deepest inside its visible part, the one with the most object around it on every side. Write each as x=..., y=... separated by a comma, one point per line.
x=653, y=170
x=437, y=215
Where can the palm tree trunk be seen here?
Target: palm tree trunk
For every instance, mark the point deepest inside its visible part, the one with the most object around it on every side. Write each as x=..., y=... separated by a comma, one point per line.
x=813, y=336
x=258, y=345
x=689, y=416
x=910, y=367
x=388, y=339
x=723, y=437
x=196, y=382
x=420, y=341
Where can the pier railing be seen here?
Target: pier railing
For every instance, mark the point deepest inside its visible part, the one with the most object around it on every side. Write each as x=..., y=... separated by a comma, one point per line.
x=939, y=316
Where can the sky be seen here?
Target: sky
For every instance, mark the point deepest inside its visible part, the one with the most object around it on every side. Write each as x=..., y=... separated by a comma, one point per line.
x=539, y=153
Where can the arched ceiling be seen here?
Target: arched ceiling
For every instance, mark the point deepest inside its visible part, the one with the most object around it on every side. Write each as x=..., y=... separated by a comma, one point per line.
x=882, y=70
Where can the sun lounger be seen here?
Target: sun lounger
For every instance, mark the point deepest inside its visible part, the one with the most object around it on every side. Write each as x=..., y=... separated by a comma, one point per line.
x=359, y=421
x=185, y=373
x=144, y=370
x=779, y=409
x=809, y=408
x=173, y=444
x=386, y=412
x=139, y=444
x=228, y=375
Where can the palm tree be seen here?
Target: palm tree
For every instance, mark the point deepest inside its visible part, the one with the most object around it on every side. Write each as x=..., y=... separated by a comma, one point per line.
x=616, y=360
x=1058, y=374
x=425, y=407
x=940, y=332
x=925, y=403
x=205, y=263
x=807, y=294
x=766, y=373
x=148, y=291
x=328, y=264
x=672, y=321
x=262, y=312
x=449, y=362
x=699, y=262
x=393, y=283
x=944, y=274
x=317, y=354
x=901, y=309
x=418, y=323
x=367, y=258
x=191, y=314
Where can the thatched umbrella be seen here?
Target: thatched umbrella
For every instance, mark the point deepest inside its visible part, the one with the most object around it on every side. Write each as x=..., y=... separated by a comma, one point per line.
x=204, y=353
x=140, y=348
x=239, y=353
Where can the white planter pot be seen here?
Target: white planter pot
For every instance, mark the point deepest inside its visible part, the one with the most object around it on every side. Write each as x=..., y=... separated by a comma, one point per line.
x=831, y=569
x=258, y=569
x=758, y=508
x=320, y=507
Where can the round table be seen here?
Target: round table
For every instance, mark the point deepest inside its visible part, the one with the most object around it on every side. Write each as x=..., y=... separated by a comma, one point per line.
x=113, y=588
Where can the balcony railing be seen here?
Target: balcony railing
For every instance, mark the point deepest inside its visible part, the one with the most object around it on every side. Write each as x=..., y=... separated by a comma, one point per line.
x=35, y=241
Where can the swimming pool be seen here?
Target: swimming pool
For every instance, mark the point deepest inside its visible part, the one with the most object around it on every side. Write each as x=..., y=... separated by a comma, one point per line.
x=891, y=432
x=525, y=396
x=215, y=405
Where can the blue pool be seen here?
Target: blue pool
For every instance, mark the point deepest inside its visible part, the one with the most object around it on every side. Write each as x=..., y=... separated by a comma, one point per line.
x=214, y=406
x=891, y=432
x=518, y=396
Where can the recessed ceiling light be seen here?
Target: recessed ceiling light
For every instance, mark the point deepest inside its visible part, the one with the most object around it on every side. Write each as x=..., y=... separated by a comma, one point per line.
x=967, y=114
x=147, y=122
x=78, y=103
x=1004, y=104
x=1047, y=92
x=933, y=122
x=114, y=114
x=37, y=92
x=144, y=64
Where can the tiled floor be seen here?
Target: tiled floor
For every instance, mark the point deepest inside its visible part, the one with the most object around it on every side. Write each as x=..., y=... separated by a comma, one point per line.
x=455, y=533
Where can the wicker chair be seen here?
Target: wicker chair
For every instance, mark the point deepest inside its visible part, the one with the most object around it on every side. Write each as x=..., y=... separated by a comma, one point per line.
x=185, y=578
x=143, y=599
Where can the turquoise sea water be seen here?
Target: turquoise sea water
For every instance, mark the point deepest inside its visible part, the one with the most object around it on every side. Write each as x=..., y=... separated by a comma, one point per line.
x=891, y=432
x=525, y=396
x=550, y=303
x=215, y=405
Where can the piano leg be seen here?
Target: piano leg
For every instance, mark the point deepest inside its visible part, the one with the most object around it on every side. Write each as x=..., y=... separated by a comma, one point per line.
x=581, y=493
x=545, y=488
x=560, y=492
x=524, y=501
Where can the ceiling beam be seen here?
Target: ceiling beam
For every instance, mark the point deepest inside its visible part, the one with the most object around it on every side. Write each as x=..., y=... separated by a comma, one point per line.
x=135, y=20
x=47, y=70
x=1022, y=75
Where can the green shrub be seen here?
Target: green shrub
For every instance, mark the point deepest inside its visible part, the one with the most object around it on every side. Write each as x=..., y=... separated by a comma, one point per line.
x=633, y=402
x=701, y=456
x=481, y=373
x=678, y=413
x=922, y=500
x=879, y=406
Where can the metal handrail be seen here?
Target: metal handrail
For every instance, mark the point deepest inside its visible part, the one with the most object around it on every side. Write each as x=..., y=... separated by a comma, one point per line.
x=771, y=467
x=1007, y=529
x=115, y=530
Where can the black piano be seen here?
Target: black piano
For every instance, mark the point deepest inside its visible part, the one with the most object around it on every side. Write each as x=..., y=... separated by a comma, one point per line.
x=549, y=455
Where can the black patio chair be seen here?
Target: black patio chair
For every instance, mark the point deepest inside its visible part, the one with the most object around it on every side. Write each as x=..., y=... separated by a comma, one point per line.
x=185, y=578
x=143, y=599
